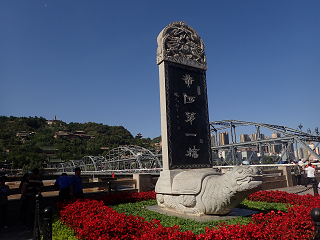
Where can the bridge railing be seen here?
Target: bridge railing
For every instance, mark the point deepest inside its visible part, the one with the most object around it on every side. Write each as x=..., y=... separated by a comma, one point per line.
x=126, y=184
x=274, y=176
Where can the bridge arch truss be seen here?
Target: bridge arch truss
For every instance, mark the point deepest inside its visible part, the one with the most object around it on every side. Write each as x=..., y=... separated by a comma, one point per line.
x=132, y=157
x=125, y=158
x=289, y=136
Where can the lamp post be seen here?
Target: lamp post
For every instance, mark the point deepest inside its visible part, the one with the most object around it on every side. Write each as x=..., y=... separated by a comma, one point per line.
x=315, y=215
x=47, y=222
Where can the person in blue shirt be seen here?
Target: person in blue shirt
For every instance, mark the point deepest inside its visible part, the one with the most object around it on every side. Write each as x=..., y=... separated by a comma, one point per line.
x=4, y=193
x=76, y=184
x=64, y=183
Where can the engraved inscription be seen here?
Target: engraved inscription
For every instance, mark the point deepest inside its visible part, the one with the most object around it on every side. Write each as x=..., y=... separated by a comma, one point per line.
x=187, y=118
x=191, y=134
x=176, y=95
x=187, y=80
x=199, y=90
x=192, y=152
x=188, y=99
x=190, y=117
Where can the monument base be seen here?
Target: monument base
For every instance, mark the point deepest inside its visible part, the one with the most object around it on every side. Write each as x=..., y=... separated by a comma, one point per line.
x=205, y=191
x=236, y=212
x=165, y=180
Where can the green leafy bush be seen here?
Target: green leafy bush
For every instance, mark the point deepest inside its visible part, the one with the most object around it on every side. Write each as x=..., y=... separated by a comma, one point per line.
x=61, y=231
x=139, y=209
x=264, y=206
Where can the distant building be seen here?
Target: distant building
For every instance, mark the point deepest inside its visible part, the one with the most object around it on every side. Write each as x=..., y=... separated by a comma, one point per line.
x=69, y=135
x=244, y=138
x=253, y=137
x=49, y=150
x=307, y=154
x=24, y=135
x=275, y=135
x=300, y=152
x=53, y=163
x=223, y=138
x=249, y=155
x=213, y=140
x=54, y=121
x=226, y=155
x=266, y=148
x=275, y=148
x=290, y=147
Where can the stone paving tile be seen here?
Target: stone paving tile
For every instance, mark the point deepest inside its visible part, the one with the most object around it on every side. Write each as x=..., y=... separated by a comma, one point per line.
x=15, y=233
x=301, y=190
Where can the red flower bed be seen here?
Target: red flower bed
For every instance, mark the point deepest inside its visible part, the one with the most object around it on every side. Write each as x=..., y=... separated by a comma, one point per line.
x=284, y=197
x=296, y=224
x=125, y=197
x=91, y=219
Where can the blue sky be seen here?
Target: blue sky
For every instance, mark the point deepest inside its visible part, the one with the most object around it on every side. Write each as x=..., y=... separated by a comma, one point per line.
x=96, y=60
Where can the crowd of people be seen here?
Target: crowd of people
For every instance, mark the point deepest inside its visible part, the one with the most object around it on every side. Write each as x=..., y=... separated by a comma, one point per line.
x=308, y=168
x=30, y=186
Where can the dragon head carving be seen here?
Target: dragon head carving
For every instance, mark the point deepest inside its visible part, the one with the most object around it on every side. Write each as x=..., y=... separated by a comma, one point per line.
x=244, y=178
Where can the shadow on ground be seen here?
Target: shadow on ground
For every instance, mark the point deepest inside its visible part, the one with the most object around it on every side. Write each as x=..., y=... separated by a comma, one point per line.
x=15, y=233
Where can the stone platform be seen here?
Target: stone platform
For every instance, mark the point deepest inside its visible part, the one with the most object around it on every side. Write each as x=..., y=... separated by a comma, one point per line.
x=236, y=212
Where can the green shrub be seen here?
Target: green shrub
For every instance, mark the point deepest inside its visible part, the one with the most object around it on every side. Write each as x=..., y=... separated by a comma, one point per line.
x=139, y=209
x=264, y=206
x=61, y=231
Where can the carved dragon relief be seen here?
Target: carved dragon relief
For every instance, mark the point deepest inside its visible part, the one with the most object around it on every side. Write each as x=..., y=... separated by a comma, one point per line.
x=181, y=44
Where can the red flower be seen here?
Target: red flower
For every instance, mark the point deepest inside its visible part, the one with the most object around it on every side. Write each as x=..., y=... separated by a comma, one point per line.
x=92, y=219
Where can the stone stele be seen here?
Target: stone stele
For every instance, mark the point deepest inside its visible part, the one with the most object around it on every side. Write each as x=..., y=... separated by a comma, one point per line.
x=188, y=184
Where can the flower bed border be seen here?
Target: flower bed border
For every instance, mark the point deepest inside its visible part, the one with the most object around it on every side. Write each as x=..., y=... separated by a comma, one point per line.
x=92, y=219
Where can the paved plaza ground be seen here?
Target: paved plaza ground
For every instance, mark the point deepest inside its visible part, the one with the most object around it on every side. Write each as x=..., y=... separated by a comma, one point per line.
x=16, y=232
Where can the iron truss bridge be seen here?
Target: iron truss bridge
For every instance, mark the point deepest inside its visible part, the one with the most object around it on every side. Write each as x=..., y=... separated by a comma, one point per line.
x=128, y=159
x=289, y=137
x=135, y=159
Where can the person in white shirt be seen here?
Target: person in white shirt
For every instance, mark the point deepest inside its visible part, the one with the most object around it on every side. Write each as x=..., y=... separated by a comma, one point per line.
x=310, y=173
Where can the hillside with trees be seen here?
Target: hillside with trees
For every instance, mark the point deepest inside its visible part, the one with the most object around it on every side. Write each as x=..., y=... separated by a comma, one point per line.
x=32, y=141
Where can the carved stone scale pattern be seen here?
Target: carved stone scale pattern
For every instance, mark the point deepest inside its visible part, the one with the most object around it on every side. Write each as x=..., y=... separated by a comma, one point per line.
x=180, y=43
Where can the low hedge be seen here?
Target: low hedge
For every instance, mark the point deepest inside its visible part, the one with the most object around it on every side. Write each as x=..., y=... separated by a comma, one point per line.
x=92, y=219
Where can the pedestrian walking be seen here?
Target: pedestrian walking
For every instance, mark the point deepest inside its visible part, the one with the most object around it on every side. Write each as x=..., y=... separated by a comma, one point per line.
x=76, y=184
x=34, y=187
x=64, y=184
x=4, y=193
x=24, y=200
x=310, y=173
x=297, y=173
